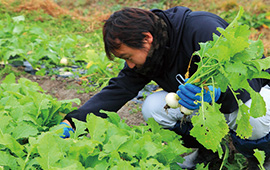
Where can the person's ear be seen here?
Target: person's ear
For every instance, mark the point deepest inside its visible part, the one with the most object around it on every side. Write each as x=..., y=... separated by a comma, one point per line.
x=148, y=37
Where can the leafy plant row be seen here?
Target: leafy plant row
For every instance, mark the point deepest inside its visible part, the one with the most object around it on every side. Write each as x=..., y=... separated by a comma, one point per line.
x=30, y=136
x=20, y=42
x=252, y=20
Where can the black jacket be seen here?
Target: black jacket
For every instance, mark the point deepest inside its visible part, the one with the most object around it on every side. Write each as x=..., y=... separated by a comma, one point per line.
x=186, y=29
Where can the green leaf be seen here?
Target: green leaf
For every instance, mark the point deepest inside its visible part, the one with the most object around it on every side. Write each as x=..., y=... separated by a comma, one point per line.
x=82, y=149
x=28, y=85
x=49, y=150
x=260, y=155
x=115, y=119
x=257, y=108
x=10, y=78
x=244, y=129
x=222, y=81
x=264, y=75
x=9, y=142
x=69, y=164
x=260, y=64
x=112, y=117
x=24, y=130
x=8, y=160
x=204, y=47
x=123, y=165
x=17, y=111
x=148, y=147
x=114, y=143
x=131, y=147
x=236, y=67
x=37, y=31
x=80, y=127
x=10, y=87
x=152, y=164
x=94, y=163
x=234, y=23
x=209, y=126
x=5, y=121
x=97, y=127
x=153, y=125
x=254, y=51
x=76, y=100
x=43, y=108
x=237, y=81
x=18, y=29
x=171, y=152
x=220, y=52
x=18, y=18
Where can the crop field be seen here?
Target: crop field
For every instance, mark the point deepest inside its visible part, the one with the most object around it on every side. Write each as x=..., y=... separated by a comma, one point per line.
x=52, y=60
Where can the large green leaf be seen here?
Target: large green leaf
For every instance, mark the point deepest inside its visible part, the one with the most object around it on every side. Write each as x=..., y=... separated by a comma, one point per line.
x=8, y=160
x=209, y=126
x=9, y=142
x=244, y=129
x=97, y=127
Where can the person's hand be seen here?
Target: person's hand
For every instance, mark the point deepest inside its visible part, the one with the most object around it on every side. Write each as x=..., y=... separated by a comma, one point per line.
x=66, y=130
x=189, y=97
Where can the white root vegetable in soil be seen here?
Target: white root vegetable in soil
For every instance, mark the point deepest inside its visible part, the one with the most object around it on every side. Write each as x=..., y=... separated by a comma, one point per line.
x=172, y=102
x=64, y=61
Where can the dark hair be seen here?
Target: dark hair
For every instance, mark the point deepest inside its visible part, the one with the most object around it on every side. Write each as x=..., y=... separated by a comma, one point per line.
x=128, y=26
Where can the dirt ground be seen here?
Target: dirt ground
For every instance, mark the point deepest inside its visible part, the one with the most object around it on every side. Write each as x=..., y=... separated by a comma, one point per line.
x=67, y=88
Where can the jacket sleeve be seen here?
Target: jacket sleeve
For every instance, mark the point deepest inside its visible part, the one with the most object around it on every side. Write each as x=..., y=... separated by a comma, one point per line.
x=209, y=22
x=120, y=90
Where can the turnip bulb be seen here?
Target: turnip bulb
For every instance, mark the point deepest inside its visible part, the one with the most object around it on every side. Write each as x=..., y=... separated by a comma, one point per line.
x=185, y=110
x=172, y=100
x=64, y=61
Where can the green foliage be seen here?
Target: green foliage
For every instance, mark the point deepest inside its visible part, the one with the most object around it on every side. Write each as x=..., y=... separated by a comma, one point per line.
x=7, y=69
x=26, y=110
x=20, y=42
x=23, y=40
x=229, y=61
x=260, y=155
x=250, y=19
x=209, y=126
x=101, y=69
x=30, y=136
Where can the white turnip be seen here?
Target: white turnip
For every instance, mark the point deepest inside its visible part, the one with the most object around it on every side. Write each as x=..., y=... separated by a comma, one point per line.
x=172, y=102
x=64, y=61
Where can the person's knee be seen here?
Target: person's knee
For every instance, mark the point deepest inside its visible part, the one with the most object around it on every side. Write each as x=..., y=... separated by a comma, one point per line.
x=153, y=104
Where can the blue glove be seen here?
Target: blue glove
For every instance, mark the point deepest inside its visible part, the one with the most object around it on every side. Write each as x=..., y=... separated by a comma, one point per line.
x=190, y=99
x=66, y=133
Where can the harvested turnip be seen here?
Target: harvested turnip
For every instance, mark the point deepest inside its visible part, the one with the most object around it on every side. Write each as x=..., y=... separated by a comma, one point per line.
x=172, y=102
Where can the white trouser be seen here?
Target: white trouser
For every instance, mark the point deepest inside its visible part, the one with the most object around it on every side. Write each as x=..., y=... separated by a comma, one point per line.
x=154, y=104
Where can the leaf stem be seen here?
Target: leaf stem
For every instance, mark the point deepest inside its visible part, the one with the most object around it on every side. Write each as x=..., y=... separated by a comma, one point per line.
x=234, y=94
x=27, y=158
x=198, y=75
